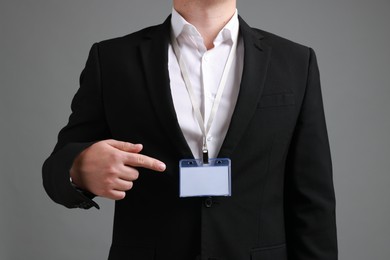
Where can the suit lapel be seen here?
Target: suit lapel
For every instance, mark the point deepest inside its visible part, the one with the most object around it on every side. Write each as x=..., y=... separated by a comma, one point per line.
x=256, y=59
x=154, y=55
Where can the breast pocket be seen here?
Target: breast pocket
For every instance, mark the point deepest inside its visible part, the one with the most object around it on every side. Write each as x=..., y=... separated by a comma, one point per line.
x=277, y=252
x=276, y=100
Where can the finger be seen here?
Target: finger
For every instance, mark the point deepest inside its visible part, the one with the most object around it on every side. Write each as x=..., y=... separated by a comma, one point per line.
x=128, y=173
x=115, y=195
x=122, y=185
x=125, y=146
x=140, y=160
x=117, y=189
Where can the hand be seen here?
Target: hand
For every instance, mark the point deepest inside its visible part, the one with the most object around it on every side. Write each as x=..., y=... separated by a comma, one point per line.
x=107, y=168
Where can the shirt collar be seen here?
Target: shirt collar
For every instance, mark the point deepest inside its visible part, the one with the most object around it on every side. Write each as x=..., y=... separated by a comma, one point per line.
x=181, y=26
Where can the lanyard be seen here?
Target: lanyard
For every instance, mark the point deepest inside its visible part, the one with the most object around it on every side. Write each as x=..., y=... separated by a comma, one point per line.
x=190, y=90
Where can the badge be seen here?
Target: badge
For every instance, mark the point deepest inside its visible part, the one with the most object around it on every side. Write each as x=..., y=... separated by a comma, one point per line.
x=198, y=179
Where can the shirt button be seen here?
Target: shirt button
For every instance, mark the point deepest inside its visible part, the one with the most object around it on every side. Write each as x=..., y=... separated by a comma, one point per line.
x=208, y=202
x=205, y=58
x=210, y=138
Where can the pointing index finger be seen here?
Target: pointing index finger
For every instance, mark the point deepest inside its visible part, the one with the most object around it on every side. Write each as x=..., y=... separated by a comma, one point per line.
x=140, y=160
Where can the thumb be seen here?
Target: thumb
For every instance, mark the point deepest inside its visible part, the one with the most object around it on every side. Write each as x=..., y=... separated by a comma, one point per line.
x=125, y=146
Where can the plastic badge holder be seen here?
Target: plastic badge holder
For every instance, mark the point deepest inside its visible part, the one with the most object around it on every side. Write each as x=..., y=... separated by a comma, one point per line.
x=199, y=180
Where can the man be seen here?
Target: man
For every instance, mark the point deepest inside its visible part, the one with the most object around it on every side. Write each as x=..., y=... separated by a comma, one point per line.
x=145, y=103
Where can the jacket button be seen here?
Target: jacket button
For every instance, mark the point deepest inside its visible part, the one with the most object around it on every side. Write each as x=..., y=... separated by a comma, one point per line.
x=208, y=202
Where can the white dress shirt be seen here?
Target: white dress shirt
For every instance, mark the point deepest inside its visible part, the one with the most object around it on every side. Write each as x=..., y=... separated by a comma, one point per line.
x=205, y=69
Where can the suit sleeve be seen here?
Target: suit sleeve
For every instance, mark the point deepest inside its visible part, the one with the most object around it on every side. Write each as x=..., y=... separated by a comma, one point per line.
x=310, y=198
x=86, y=126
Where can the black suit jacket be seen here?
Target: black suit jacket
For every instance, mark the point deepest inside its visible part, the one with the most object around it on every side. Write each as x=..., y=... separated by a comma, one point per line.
x=282, y=204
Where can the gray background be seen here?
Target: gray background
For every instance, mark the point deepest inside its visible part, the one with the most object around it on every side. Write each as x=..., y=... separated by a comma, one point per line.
x=44, y=46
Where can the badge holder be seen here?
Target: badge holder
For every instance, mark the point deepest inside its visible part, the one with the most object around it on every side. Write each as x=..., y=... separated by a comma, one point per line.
x=198, y=179
x=207, y=177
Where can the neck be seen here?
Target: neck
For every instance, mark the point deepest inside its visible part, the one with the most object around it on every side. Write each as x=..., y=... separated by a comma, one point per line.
x=208, y=16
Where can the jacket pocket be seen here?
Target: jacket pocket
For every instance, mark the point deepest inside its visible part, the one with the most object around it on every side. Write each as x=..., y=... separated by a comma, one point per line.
x=277, y=252
x=276, y=100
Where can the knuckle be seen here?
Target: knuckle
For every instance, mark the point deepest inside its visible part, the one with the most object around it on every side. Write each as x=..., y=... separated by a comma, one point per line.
x=140, y=159
x=111, y=172
x=101, y=145
x=114, y=157
x=124, y=146
x=108, y=183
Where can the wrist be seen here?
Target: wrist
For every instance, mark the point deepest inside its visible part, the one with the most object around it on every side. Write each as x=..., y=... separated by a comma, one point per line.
x=82, y=191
